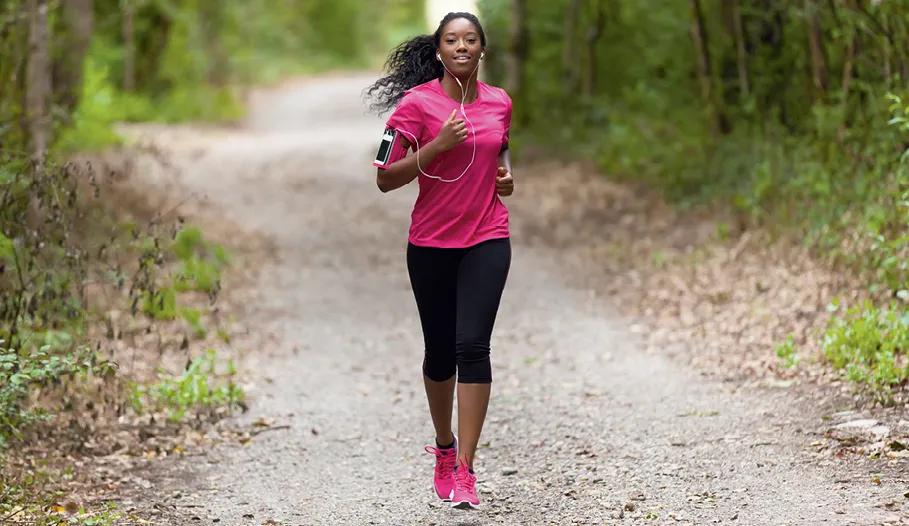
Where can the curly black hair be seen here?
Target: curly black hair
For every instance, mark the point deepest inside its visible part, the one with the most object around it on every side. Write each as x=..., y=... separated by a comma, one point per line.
x=413, y=63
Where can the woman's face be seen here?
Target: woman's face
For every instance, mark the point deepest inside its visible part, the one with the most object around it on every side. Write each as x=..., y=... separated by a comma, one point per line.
x=460, y=47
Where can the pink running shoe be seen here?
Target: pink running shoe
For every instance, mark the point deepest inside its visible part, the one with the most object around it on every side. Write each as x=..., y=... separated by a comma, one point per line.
x=464, y=495
x=443, y=478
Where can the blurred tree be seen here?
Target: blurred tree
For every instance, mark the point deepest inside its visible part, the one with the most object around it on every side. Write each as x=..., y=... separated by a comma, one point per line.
x=38, y=78
x=78, y=19
x=170, y=59
x=516, y=49
x=762, y=104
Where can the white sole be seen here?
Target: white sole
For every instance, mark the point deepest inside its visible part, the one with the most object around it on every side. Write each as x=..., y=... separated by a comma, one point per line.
x=464, y=505
x=444, y=499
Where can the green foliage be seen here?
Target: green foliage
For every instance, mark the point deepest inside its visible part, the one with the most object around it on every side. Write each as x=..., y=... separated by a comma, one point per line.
x=161, y=303
x=56, y=243
x=191, y=59
x=900, y=112
x=105, y=103
x=787, y=353
x=194, y=318
x=13, y=46
x=777, y=150
x=100, y=108
x=23, y=371
x=200, y=262
x=194, y=389
x=785, y=138
x=41, y=264
x=871, y=345
x=51, y=251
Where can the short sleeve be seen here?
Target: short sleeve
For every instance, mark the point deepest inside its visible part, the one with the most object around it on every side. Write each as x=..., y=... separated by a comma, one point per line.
x=407, y=117
x=405, y=122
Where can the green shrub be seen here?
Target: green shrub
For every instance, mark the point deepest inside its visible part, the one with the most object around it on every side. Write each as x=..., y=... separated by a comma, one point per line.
x=871, y=345
x=194, y=389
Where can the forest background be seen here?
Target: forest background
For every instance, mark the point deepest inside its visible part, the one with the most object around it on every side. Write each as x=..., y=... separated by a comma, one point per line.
x=785, y=116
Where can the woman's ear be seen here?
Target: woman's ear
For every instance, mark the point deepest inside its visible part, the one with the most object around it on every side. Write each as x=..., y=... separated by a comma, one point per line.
x=438, y=55
x=482, y=54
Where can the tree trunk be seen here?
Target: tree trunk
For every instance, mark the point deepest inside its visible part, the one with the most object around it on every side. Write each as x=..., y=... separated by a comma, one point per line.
x=712, y=99
x=14, y=39
x=848, y=71
x=38, y=78
x=129, y=45
x=517, y=49
x=594, y=33
x=742, y=55
x=847, y=68
x=902, y=51
x=212, y=20
x=769, y=42
x=569, y=48
x=816, y=45
x=78, y=19
x=700, y=48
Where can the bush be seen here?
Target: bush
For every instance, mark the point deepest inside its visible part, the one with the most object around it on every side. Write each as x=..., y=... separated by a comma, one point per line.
x=67, y=262
x=772, y=116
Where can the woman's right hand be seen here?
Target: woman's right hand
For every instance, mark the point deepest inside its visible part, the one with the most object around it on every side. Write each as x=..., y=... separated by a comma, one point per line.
x=452, y=133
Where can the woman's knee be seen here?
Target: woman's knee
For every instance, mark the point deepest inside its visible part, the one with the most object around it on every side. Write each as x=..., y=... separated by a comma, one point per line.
x=474, y=365
x=439, y=367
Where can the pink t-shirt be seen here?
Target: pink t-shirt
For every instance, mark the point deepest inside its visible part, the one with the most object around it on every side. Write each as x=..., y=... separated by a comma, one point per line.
x=467, y=211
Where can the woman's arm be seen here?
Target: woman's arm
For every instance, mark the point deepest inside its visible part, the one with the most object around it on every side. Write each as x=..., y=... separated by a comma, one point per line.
x=402, y=172
x=504, y=179
x=505, y=152
x=505, y=159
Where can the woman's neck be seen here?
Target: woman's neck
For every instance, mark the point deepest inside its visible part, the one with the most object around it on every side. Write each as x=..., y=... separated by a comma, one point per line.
x=452, y=89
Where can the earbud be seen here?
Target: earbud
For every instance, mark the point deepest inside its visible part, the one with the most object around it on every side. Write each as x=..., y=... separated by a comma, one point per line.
x=482, y=55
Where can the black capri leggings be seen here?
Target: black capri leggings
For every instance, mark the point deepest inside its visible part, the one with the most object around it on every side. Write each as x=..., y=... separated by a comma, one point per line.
x=458, y=291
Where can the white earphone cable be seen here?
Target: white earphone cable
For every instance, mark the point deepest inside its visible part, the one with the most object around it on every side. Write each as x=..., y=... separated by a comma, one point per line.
x=473, y=129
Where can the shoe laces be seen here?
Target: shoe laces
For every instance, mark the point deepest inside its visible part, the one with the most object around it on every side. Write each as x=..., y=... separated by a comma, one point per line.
x=464, y=479
x=445, y=460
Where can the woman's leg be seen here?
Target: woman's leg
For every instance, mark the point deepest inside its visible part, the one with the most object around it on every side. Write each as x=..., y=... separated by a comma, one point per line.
x=481, y=281
x=433, y=275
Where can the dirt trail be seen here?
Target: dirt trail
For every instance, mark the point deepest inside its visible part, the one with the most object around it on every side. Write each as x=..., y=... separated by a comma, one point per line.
x=583, y=422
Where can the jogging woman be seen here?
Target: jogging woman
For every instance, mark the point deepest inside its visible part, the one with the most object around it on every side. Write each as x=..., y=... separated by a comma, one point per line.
x=458, y=251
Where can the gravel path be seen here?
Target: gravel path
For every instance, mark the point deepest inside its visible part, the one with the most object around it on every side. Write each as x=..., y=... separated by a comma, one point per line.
x=584, y=427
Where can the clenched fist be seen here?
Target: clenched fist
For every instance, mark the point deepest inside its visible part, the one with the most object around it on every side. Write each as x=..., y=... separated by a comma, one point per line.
x=452, y=133
x=504, y=182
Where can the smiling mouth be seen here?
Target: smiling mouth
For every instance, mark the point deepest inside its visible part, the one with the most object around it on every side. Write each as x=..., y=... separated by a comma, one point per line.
x=462, y=59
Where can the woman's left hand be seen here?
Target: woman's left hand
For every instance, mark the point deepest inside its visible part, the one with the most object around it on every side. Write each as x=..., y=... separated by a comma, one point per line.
x=504, y=182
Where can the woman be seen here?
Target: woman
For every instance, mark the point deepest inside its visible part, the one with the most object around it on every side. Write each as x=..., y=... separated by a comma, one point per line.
x=458, y=251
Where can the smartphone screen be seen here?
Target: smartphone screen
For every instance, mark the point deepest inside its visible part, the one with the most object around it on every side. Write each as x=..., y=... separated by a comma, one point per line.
x=388, y=140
